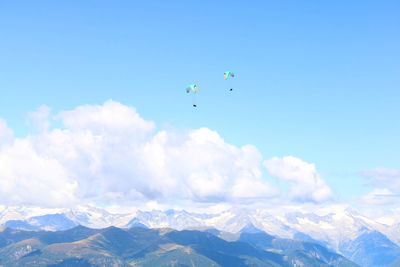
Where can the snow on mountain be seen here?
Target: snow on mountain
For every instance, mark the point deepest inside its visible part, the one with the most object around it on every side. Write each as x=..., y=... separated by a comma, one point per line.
x=234, y=220
x=34, y=218
x=338, y=226
x=332, y=228
x=49, y=222
x=8, y=213
x=334, y=225
x=169, y=219
x=97, y=218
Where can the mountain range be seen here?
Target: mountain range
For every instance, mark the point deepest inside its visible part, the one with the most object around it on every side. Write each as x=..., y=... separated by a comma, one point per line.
x=138, y=246
x=341, y=231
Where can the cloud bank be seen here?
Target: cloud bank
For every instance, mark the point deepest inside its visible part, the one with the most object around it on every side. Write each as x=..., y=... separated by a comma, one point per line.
x=6, y=134
x=109, y=154
x=386, y=183
x=307, y=184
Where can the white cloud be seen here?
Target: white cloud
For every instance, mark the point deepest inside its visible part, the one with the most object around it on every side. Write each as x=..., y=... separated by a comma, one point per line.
x=381, y=196
x=209, y=168
x=386, y=183
x=27, y=177
x=6, y=134
x=39, y=118
x=306, y=183
x=111, y=120
x=109, y=154
x=384, y=178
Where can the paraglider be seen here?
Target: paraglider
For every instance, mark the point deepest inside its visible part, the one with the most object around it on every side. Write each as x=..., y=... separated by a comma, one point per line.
x=228, y=75
x=194, y=89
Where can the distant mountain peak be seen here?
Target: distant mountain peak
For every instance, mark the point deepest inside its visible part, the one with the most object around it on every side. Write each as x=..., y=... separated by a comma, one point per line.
x=251, y=229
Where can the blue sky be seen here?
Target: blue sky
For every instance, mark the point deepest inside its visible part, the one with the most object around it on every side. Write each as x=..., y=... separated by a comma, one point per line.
x=317, y=80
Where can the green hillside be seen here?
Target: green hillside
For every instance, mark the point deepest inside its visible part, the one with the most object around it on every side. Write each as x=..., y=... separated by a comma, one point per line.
x=113, y=246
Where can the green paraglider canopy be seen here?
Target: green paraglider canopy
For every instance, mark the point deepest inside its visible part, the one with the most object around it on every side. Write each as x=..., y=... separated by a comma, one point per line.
x=228, y=75
x=192, y=88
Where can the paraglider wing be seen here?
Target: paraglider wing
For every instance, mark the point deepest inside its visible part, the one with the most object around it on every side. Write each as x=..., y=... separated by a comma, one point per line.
x=228, y=74
x=193, y=88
